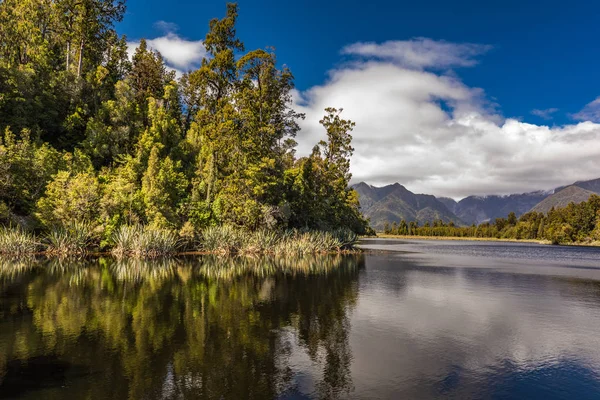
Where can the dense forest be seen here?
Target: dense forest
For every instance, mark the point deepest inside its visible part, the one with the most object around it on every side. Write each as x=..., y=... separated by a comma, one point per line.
x=90, y=134
x=576, y=223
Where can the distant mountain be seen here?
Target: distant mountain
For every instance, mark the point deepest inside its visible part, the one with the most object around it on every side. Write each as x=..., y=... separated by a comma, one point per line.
x=394, y=203
x=478, y=209
x=562, y=198
x=450, y=204
x=592, y=186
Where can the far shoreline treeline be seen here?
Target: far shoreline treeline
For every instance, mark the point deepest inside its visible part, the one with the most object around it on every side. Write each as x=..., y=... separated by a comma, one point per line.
x=95, y=146
x=573, y=224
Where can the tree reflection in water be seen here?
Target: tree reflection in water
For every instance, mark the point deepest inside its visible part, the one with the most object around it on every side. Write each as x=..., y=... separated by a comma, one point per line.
x=205, y=327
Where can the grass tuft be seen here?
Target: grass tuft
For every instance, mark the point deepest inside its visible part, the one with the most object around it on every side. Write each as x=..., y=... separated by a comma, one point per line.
x=75, y=238
x=229, y=240
x=15, y=241
x=140, y=241
x=223, y=239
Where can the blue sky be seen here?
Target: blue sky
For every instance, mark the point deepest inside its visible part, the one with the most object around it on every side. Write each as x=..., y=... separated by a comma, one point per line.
x=527, y=56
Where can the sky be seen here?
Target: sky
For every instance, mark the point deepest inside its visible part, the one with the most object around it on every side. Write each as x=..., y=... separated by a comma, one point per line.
x=449, y=98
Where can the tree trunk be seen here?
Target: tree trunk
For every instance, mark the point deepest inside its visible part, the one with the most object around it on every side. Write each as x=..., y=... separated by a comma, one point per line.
x=68, y=54
x=79, y=65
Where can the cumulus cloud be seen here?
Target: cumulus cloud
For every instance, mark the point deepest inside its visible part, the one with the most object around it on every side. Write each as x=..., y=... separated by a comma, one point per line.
x=591, y=112
x=544, y=114
x=420, y=52
x=180, y=54
x=434, y=134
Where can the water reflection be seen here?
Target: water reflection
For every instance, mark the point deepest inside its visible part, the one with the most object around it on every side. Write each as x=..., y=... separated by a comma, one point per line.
x=192, y=328
x=473, y=332
x=381, y=325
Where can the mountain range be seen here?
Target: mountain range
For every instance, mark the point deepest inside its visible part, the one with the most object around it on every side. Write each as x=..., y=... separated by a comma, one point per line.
x=393, y=203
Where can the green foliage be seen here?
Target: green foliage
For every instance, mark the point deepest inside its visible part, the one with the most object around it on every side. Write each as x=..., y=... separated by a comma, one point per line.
x=70, y=197
x=25, y=169
x=122, y=199
x=113, y=131
x=318, y=185
x=109, y=143
x=162, y=187
x=262, y=241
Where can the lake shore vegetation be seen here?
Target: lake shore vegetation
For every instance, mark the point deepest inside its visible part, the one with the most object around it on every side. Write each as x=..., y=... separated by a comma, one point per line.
x=105, y=151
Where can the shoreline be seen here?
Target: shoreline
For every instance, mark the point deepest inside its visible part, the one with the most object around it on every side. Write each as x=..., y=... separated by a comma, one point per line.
x=477, y=239
x=51, y=254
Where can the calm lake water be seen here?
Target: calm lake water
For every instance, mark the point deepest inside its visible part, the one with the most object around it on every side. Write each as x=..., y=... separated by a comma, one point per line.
x=408, y=319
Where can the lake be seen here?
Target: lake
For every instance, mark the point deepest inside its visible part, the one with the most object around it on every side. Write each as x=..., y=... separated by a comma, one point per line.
x=406, y=319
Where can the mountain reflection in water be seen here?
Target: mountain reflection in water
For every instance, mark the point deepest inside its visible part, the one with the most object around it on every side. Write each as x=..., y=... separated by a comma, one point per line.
x=380, y=325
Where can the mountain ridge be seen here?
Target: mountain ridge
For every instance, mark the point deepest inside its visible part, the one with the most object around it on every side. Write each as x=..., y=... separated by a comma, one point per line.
x=393, y=203
x=561, y=198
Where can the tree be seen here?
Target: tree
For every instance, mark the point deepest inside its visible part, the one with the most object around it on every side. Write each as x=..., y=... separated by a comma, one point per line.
x=512, y=219
x=127, y=143
x=148, y=75
x=87, y=27
x=162, y=188
x=114, y=130
x=70, y=197
x=25, y=169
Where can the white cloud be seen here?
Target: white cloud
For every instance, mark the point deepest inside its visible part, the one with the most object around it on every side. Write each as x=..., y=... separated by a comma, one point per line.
x=434, y=134
x=420, y=52
x=591, y=112
x=165, y=26
x=180, y=54
x=545, y=114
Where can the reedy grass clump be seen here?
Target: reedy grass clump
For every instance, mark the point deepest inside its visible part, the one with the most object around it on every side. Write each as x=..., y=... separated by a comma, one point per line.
x=223, y=239
x=75, y=238
x=229, y=240
x=260, y=242
x=140, y=241
x=15, y=241
x=296, y=242
x=124, y=239
x=147, y=242
x=348, y=238
x=308, y=242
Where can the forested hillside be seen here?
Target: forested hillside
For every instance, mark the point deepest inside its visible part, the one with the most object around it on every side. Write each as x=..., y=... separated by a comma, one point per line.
x=88, y=134
x=575, y=223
